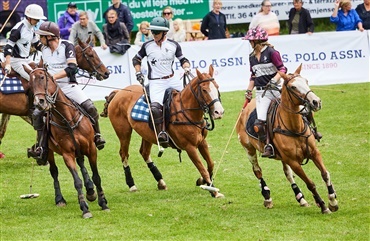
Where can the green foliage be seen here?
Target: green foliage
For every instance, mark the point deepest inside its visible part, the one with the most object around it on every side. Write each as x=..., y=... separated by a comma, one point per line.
x=185, y=212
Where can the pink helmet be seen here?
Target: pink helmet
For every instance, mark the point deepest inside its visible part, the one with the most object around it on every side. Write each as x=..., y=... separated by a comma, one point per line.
x=256, y=33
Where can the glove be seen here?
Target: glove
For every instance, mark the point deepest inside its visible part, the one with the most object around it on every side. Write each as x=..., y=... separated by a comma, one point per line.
x=140, y=78
x=7, y=69
x=248, y=95
x=187, y=70
x=273, y=84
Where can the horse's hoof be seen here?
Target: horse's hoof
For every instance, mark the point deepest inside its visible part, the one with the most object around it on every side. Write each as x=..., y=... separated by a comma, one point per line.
x=133, y=189
x=219, y=195
x=333, y=208
x=199, y=182
x=61, y=204
x=268, y=203
x=162, y=185
x=87, y=215
x=106, y=209
x=91, y=197
x=326, y=211
x=303, y=203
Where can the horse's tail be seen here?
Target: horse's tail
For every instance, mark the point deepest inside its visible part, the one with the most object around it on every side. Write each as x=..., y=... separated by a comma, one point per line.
x=108, y=99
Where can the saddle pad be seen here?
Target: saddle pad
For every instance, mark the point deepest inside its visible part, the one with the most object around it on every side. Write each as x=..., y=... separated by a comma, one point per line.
x=140, y=111
x=11, y=86
x=250, y=123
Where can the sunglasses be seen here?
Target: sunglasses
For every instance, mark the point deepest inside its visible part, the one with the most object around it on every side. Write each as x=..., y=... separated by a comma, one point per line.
x=155, y=32
x=167, y=13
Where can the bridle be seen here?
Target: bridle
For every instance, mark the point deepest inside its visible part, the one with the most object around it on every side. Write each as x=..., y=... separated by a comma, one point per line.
x=96, y=72
x=50, y=98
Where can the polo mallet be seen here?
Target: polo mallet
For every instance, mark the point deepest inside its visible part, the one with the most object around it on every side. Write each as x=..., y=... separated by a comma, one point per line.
x=160, y=148
x=10, y=15
x=30, y=195
x=2, y=81
x=214, y=189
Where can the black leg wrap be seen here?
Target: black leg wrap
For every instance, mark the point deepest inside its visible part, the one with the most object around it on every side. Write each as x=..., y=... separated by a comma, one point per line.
x=298, y=194
x=331, y=189
x=265, y=191
x=157, y=175
x=129, y=179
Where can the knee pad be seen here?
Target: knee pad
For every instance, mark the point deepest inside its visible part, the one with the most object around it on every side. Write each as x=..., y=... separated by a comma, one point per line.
x=157, y=112
x=89, y=107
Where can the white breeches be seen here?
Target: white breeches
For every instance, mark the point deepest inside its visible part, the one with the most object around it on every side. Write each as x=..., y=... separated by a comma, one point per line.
x=17, y=65
x=74, y=92
x=157, y=88
x=262, y=104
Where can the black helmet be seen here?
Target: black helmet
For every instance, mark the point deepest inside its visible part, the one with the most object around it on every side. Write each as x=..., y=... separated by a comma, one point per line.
x=158, y=25
x=49, y=28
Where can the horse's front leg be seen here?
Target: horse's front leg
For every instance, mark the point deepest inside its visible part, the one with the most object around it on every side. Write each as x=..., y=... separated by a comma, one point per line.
x=53, y=169
x=89, y=185
x=3, y=124
x=333, y=203
x=102, y=201
x=145, y=153
x=193, y=155
x=297, y=191
x=70, y=163
x=204, y=151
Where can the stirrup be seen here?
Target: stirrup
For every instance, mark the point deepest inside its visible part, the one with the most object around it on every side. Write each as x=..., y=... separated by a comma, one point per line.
x=163, y=137
x=268, y=151
x=39, y=154
x=99, y=141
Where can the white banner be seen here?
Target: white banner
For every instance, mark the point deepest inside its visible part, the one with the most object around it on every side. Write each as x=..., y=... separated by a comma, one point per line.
x=242, y=11
x=327, y=58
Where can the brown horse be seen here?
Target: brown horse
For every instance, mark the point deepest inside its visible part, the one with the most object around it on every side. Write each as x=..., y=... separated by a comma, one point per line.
x=18, y=103
x=71, y=135
x=292, y=138
x=187, y=127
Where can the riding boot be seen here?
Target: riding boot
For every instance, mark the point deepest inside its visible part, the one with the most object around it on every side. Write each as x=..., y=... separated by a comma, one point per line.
x=263, y=136
x=311, y=123
x=158, y=121
x=39, y=150
x=89, y=107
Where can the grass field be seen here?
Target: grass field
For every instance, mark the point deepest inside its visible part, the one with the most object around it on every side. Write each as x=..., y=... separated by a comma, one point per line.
x=185, y=212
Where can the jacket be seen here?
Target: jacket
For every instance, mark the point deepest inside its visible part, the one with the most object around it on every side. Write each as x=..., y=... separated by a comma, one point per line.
x=305, y=21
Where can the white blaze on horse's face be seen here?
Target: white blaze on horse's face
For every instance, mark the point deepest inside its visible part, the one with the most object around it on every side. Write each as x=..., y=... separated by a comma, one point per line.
x=218, y=109
x=301, y=85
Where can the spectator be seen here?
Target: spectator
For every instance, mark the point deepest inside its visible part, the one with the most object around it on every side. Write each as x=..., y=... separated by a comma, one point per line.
x=116, y=34
x=84, y=28
x=300, y=20
x=22, y=36
x=144, y=34
x=67, y=19
x=167, y=13
x=179, y=34
x=214, y=23
x=123, y=13
x=363, y=11
x=346, y=18
x=266, y=19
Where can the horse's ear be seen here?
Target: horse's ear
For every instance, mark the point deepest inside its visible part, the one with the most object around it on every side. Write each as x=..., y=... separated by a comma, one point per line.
x=88, y=39
x=199, y=74
x=298, y=70
x=211, y=70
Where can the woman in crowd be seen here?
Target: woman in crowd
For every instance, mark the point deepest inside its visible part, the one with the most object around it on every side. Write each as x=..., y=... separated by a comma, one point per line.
x=144, y=34
x=363, y=11
x=266, y=19
x=214, y=23
x=300, y=20
x=114, y=31
x=345, y=17
x=67, y=19
x=179, y=34
x=167, y=13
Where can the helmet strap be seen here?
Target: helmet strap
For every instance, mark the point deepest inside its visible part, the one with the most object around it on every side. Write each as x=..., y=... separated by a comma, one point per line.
x=162, y=38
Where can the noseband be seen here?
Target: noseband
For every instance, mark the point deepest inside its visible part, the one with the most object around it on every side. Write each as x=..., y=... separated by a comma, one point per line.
x=89, y=61
x=200, y=97
x=291, y=92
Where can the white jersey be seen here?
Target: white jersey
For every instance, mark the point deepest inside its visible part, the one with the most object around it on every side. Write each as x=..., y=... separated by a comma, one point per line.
x=21, y=37
x=160, y=58
x=57, y=60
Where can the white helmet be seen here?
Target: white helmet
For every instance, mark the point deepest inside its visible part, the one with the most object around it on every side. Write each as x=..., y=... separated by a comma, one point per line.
x=34, y=11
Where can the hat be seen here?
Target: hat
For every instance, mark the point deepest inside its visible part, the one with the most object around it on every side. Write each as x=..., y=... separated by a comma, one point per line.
x=72, y=5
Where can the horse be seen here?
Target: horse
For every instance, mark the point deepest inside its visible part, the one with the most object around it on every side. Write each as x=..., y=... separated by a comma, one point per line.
x=187, y=128
x=18, y=103
x=292, y=138
x=71, y=135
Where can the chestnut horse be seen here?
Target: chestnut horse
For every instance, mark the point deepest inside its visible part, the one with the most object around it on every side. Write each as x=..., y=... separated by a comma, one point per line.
x=17, y=103
x=187, y=128
x=71, y=135
x=292, y=138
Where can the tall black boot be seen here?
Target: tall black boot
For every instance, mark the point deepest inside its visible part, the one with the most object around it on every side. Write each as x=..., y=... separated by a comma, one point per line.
x=39, y=151
x=89, y=107
x=158, y=121
x=263, y=136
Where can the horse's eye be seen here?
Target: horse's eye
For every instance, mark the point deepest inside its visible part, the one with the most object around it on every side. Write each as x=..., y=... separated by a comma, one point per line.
x=293, y=87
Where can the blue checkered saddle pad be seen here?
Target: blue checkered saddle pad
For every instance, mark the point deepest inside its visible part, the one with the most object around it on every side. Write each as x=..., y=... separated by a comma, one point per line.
x=140, y=111
x=11, y=86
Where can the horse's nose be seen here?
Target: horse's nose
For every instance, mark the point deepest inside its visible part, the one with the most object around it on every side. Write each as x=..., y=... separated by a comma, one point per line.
x=106, y=75
x=317, y=104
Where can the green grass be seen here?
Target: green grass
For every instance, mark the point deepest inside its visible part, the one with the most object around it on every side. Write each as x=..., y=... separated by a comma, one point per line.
x=185, y=212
